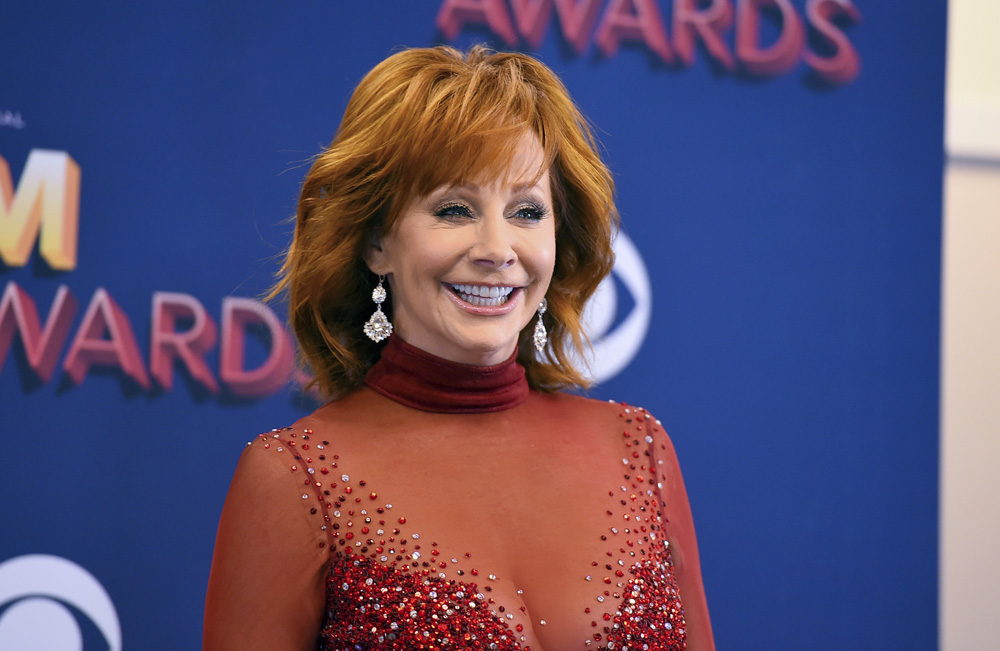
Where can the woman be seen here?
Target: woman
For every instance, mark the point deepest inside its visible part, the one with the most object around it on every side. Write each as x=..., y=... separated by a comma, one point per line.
x=449, y=497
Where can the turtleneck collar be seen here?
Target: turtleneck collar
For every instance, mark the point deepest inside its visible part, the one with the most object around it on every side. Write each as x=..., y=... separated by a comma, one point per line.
x=415, y=378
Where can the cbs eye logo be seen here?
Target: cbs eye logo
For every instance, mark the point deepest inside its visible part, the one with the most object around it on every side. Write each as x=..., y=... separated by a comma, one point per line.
x=43, y=600
x=615, y=345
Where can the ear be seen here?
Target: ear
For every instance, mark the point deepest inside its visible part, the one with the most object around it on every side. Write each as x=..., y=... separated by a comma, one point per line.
x=376, y=258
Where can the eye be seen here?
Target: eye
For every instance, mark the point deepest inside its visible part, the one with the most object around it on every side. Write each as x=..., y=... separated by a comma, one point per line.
x=530, y=212
x=453, y=211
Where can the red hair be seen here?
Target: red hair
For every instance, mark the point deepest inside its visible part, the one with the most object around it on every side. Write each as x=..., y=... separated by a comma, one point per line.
x=421, y=119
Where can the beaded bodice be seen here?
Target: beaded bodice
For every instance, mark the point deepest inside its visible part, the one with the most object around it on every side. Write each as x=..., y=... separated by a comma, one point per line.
x=515, y=520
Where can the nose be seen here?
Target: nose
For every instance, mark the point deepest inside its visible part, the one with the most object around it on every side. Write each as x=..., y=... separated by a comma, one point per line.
x=493, y=248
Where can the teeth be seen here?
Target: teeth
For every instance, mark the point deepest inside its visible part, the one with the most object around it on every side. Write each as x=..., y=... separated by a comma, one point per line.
x=483, y=295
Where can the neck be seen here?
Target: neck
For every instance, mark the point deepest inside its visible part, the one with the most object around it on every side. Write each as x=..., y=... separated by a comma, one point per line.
x=416, y=378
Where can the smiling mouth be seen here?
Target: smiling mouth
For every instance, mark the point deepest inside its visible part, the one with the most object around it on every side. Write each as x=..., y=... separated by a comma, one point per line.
x=482, y=295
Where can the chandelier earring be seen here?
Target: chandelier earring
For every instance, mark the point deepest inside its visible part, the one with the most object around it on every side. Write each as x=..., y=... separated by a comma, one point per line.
x=378, y=327
x=541, y=337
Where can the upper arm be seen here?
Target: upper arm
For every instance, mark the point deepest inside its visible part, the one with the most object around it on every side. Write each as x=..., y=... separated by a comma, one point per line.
x=266, y=588
x=683, y=541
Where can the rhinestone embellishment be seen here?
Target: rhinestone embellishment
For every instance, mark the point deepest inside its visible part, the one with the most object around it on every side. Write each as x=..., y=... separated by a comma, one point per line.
x=391, y=588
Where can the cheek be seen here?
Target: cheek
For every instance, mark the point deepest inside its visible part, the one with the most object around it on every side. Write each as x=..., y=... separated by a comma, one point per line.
x=435, y=257
x=421, y=257
x=546, y=255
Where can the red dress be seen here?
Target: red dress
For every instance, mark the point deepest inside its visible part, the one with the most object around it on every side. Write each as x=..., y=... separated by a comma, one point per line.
x=449, y=507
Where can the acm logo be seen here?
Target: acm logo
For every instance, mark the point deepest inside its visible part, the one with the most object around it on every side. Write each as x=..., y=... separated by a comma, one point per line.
x=35, y=592
x=45, y=207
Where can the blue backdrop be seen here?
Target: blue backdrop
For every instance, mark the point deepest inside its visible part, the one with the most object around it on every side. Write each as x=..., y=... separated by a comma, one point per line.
x=789, y=226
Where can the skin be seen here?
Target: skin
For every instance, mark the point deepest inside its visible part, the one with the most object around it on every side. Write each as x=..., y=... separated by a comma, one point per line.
x=498, y=233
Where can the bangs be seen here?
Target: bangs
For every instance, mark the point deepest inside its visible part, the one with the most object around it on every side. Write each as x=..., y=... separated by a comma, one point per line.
x=474, y=158
x=460, y=126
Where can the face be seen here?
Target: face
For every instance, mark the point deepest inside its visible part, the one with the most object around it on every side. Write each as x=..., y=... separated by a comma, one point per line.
x=468, y=265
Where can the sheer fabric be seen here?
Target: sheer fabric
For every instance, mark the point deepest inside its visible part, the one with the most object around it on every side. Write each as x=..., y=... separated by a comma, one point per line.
x=445, y=506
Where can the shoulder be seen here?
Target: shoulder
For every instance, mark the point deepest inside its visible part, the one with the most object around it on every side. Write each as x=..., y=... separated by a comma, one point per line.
x=276, y=478
x=272, y=541
x=623, y=413
x=360, y=410
x=284, y=452
x=271, y=454
x=638, y=427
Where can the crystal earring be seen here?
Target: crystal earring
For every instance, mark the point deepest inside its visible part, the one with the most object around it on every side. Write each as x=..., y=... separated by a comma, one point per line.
x=378, y=327
x=541, y=337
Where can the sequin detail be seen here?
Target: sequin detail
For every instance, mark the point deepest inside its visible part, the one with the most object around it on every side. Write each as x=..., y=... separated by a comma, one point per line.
x=390, y=589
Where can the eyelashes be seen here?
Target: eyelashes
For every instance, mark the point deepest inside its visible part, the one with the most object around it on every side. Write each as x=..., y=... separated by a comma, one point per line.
x=532, y=211
x=452, y=210
x=528, y=211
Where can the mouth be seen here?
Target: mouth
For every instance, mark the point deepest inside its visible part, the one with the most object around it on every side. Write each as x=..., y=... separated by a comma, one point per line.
x=483, y=295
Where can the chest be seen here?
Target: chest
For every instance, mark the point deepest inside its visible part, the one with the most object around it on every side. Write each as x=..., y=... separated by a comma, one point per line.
x=546, y=543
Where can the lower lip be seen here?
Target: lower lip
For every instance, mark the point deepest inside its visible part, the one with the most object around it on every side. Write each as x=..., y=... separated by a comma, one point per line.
x=485, y=310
